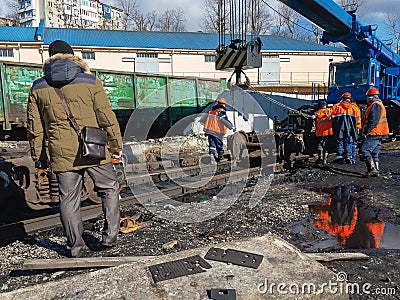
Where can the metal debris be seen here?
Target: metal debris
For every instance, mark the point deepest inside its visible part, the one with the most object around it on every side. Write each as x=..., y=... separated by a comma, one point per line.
x=240, y=258
x=181, y=267
x=170, y=245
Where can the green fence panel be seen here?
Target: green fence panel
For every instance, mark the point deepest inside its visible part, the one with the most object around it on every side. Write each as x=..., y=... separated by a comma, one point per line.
x=151, y=91
x=209, y=90
x=182, y=92
x=19, y=80
x=119, y=88
x=2, y=82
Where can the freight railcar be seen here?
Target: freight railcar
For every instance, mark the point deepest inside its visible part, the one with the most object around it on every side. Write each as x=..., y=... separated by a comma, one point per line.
x=162, y=101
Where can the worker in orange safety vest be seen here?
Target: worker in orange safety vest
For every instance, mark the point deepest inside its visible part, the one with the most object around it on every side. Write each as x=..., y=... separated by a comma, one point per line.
x=374, y=128
x=215, y=128
x=323, y=131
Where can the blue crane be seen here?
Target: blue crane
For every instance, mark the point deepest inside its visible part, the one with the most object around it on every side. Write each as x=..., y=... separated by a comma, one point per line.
x=374, y=64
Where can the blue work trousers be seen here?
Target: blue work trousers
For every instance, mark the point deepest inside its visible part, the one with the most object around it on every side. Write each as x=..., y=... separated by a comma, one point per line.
x=216, y=145
x=353, y=149
x=344, y=147
x=370, y=149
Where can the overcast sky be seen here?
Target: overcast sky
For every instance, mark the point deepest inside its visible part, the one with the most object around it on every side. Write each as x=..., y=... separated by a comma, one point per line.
x=371, y=12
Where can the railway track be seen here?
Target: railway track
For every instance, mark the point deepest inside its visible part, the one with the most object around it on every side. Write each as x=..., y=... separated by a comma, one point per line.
x=147, y=187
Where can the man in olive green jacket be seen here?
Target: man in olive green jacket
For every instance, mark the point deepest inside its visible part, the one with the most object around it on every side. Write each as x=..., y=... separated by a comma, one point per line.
x=47, y=119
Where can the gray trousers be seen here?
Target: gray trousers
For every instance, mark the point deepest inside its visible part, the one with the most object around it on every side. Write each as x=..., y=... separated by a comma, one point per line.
x=70, y=189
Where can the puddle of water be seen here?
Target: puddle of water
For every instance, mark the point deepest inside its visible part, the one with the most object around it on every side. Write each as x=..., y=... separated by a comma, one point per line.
x=345, y=221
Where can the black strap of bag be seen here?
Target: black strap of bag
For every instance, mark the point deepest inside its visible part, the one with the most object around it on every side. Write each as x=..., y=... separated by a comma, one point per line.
x=70, y=115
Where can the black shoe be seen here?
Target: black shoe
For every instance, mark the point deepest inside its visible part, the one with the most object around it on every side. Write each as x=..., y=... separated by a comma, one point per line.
x=338, y=161
x=82, y=253
x=348, y=161
x=109, y=245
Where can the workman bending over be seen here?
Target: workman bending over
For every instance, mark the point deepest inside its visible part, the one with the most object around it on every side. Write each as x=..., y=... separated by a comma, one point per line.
x=215, y=128
x=374, y=129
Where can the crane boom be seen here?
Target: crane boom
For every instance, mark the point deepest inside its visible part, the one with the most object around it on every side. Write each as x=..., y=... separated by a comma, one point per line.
x=342, y=26
x=373, y=63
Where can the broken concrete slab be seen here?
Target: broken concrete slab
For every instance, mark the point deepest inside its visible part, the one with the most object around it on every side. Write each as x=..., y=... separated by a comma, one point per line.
x=285, y=273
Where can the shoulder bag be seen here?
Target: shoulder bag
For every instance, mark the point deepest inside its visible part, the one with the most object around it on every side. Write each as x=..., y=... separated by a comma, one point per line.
x=92, y=140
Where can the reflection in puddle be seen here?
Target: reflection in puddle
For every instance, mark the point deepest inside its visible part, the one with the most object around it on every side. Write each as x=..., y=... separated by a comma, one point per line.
x=353, y=223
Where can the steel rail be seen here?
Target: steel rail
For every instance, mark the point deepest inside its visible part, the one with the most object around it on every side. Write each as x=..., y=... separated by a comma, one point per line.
x=24, y=228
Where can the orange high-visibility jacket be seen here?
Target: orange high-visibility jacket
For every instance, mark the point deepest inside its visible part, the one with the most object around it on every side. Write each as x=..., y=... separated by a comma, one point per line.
x=382, y=128
x=357, y=114
x=213, y=125
x=346, y=118
x=323, y=122
x=343, y=232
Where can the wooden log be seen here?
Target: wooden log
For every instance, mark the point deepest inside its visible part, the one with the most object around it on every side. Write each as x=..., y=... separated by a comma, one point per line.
x=337, y=256
x=85, y=262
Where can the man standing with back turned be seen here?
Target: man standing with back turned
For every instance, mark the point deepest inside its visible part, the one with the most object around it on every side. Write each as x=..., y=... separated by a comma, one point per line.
x=215, y=128
x=47, y=119
x=345, y=119
x=374, y=129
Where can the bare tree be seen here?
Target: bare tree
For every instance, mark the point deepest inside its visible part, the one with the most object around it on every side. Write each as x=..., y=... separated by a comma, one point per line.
x=285, y=22
x=258, y=18
x=350, y=5
x=392, y=21
x=130, y=8
x=278, y=26
x=151, y=21
x=217, y=18
x=12, y=11
x=139, y=21
x=172, y=20
x=211, y=19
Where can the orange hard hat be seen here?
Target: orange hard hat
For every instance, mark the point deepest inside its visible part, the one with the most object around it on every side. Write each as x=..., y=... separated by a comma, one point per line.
x=222, y=101
x=372, y=91
x=346, y=95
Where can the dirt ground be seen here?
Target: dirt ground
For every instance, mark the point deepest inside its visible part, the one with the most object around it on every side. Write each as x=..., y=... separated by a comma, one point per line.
x=292, y=207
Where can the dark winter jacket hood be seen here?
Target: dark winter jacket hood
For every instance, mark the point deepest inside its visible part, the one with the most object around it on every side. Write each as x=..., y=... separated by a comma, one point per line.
x=60, y=69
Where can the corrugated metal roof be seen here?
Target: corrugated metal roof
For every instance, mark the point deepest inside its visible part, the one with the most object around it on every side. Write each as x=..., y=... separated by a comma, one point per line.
x=17, y=34
x=136, y=39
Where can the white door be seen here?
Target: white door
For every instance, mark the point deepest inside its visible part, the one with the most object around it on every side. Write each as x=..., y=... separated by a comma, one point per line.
x=269, y=73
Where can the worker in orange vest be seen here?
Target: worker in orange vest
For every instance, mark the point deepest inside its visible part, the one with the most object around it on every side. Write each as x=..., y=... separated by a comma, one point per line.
x=215, y=128
x=339, y=215
x=344, y=127
x=323, y=130
x=374, y=128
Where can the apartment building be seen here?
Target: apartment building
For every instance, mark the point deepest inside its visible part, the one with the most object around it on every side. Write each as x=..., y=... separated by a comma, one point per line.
x=90, y=14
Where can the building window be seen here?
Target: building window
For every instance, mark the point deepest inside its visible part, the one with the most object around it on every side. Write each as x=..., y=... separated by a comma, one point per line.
x=88, y=55
x=148, y=55
x=6, y=53
x=285, y=59
x=209, y=58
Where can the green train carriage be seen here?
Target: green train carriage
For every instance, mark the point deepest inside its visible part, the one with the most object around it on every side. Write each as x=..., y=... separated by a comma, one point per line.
x=163, y=99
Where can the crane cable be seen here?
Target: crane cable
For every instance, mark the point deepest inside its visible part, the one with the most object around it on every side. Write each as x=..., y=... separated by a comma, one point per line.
x=285, y=17
x=270, y=99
